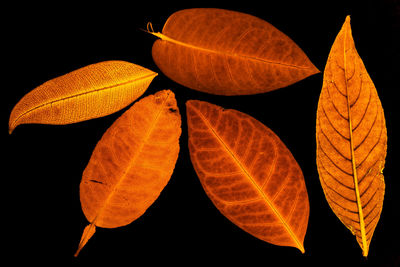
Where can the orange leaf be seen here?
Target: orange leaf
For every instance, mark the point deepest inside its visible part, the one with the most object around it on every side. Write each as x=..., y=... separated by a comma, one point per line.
x=131, y=164
x=228, y=53
x=248, y=173
x=89, y=92
x=351, y=140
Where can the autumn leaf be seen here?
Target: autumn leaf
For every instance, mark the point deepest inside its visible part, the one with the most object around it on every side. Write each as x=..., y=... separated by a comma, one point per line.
x=131, y=164
x=248, y=173
x=89, y=92
x=351, y=140
x=228, y=53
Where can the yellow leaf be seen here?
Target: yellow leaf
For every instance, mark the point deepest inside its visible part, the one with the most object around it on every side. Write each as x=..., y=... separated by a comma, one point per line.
x=89, y=92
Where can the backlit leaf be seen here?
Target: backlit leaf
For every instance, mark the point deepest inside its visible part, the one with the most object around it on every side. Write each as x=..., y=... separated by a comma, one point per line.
x=90, y=92
x=248, y=173
x=351, y=140
x=131, y=164
x=226, y=52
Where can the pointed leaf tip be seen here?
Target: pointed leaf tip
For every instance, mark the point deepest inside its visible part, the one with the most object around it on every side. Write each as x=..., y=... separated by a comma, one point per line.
x=301, y=248
x=88, y=232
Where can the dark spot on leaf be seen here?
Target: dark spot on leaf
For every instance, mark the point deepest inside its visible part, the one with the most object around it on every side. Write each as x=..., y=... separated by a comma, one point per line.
x=95, y=181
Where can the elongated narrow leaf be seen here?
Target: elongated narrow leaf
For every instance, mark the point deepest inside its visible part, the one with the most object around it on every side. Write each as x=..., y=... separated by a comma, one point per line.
x=226, y=52
x=248, y=173
x=89, y=92
x=351, y=140
x=131, y=164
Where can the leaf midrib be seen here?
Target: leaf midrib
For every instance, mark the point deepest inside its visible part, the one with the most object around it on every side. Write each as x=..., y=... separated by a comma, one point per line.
x=169, y=39
x=250, y=178
x=133, y=159
x=354, y=167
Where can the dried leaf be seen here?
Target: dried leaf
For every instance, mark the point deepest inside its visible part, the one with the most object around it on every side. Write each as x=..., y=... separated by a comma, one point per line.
x=351, y=140
x=228, y=53
x=89, y=92
x=131, y=164
x=248, y=173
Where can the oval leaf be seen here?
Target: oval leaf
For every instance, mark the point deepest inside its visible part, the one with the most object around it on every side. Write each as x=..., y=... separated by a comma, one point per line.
x=248, y=173
x=228, y=53
x=89, y=92
x=351, y=140
x=131, y=164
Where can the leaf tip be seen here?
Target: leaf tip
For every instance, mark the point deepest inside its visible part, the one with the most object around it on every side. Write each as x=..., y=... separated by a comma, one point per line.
x=346, y=23
x=88, y=232
x=346, y=27
x=11, y=123
x=316, y=70
x=301, y=248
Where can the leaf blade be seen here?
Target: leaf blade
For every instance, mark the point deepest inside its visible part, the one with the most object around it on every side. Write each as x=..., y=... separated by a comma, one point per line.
x=355, y=97
x=231, y=182
x=216, y=54
x=90, y=92
x=132, y=162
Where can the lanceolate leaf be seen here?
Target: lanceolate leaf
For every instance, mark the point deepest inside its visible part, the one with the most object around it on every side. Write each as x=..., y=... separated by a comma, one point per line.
x=351, y=140
x=248, y=173
x=89, y=92
x=131, y=164
x=228, y=53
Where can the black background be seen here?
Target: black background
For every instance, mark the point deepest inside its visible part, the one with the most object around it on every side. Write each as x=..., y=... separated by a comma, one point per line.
x=43, y=167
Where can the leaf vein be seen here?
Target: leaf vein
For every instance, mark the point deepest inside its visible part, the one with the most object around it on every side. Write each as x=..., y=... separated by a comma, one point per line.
x=334, y=147
x=369, y=131
x=331, y=124
x=247, y=174
x=336, y=180
x=372, y=149
x=365, y=111
x=323, y=151
x=333, y=103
